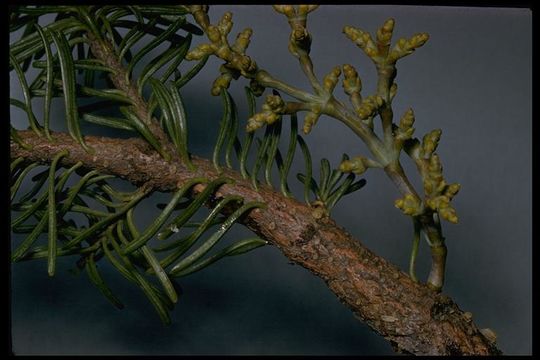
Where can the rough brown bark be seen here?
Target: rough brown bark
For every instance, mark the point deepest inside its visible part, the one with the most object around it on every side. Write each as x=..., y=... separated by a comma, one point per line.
x=412, y=317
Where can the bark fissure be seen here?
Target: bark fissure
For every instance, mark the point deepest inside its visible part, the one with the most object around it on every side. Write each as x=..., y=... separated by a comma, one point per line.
x=414, y=318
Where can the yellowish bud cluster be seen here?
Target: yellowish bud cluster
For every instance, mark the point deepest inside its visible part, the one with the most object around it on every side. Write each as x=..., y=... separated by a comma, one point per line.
x=355, y=165
x=379, y=50
x=351, y=82
x=430, y=142
x=442, y=205
x=331, y=79
x=409, y=204
x=235, y=58
x=438, y=193
x=370, y=106
x=299, y=40
x=271, y=112
x=405, y=129
x=291, y=11
x=311, y=119
x=199, y=52
x=242, y=40
x=223, y=81
x=200, y=13
x=287, y=10
x=384, y=34
x=406, y=47
x=225, y=24
x=363, y=40
x=305, y=9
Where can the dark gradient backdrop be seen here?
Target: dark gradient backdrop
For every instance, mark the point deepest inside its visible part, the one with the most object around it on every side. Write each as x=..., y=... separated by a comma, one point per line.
x=472, y=79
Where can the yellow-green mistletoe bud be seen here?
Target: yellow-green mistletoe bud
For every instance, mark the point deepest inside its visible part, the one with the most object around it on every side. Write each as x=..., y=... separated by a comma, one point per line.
x=356, y=165
x=406, y=47
x=430, y=142
x=452, y=190
x=200, y=13
x=255, y=122
x=305, y=9
x=438, y=193
x=271, y=112
x=311, y=119
x=213, y=33
x=370, y=106
x=405, y=129
x=433, y=181
x=441, y=204
x=409, y=204
x=223, y=81
x=199, y=52
x=287, y=10
x=330, y=81
x=351, y=82
x=275, y=103
x=299, y=40
x=448, y=213
x=363, y=40
x=242, y=40
x=225, y=24
x=384, y=34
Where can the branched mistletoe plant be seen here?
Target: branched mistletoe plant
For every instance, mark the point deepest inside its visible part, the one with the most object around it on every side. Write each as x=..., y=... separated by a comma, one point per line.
x=82, y=59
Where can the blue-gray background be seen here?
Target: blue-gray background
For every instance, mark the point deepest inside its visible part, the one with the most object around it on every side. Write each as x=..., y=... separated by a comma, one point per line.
x=473, y=79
